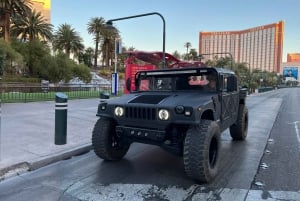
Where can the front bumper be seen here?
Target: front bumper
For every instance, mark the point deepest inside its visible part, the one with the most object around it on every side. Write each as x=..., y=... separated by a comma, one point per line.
x=140, y=134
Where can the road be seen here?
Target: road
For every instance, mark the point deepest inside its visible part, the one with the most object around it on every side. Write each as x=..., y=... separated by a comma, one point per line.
x=264, y=167
x=281, y=171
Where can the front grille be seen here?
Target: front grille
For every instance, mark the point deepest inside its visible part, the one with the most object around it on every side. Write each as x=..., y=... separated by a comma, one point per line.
x=140, y=113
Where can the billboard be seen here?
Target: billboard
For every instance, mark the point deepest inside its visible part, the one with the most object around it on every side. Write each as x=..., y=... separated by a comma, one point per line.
x=290, y=73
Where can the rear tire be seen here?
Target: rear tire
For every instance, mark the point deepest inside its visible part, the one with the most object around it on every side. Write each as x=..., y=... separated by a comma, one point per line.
x=239, y=130
x=106, y=144
x=201, y=151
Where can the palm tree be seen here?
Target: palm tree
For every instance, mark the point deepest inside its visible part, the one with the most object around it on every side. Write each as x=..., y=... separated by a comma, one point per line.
x=96, y=27
x=193, y=53
x=32, y=27
x=10, y=59
x=176, y=54
x=87, y=56
x=67, y=39
x=108, y=44
x=187, y=45
x=131, y=48
x=9, y=9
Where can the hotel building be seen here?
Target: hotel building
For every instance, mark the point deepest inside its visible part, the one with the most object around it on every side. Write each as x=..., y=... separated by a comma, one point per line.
x=293, y=57
x=293, y=64
x=43, y=6
x=260, y=47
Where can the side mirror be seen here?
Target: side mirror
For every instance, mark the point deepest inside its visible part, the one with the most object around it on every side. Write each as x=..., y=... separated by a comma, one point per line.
x=221, y=82
x=231, y=84
x=128, y=84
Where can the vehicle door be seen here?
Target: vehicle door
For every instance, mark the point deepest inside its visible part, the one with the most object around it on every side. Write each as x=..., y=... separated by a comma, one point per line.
x=229, y=100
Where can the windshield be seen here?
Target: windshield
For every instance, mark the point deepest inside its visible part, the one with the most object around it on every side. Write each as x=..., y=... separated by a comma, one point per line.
x=202, y=81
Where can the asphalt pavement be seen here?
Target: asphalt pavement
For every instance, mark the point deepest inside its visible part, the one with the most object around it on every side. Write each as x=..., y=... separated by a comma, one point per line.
x=154, y=178
x=28, y=132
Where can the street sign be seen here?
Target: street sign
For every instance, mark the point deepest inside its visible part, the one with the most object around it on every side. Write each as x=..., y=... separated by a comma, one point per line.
x=118, y=46
x=114, y=83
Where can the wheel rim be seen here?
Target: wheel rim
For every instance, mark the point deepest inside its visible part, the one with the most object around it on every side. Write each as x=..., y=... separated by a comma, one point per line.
x=213, y=152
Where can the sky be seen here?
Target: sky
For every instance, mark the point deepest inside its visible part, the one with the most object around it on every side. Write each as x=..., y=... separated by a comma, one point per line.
x=184, y=19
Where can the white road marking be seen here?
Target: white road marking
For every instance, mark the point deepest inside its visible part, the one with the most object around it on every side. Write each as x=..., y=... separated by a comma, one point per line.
x=297, y=130
x=259, y=195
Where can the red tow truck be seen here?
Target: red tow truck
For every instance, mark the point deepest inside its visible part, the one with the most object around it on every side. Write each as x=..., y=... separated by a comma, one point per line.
x=141, y=60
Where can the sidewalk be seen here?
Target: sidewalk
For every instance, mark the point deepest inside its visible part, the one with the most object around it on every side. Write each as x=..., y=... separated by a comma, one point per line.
x=27, y=134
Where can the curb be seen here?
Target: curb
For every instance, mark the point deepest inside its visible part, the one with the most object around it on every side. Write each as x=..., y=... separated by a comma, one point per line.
x=13, y=170
x=41, y=162
x=22, y=167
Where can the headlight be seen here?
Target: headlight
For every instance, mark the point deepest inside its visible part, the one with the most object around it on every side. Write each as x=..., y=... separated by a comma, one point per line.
x=119, y=111
x=163, y=114
x=103, y=106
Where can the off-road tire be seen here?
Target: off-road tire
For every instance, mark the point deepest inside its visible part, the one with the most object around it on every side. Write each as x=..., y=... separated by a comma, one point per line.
x=106, y=144
x=201, y=151
x=239, y=130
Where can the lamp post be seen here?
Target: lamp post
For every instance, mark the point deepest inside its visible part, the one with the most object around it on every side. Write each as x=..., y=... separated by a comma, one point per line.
x=249, y=77
x=110, y=22
x=261, y=80
x=115, y=76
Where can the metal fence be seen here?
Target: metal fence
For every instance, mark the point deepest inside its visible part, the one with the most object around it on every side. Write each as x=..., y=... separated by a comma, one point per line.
x=12, y=94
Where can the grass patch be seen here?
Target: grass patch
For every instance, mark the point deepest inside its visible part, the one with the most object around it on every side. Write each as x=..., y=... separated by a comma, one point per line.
x=15, y=97
x=34, y=94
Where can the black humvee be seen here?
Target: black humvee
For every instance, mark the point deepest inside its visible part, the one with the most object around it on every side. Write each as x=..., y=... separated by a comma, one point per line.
x=181, y=110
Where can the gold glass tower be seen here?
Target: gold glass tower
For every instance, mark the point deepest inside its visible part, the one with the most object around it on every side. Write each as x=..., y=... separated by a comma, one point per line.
x=43, y=6
x=260, y=47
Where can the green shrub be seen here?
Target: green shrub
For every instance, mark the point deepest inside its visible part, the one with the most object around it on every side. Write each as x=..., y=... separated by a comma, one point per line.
x=21, y=79
x=104, y=73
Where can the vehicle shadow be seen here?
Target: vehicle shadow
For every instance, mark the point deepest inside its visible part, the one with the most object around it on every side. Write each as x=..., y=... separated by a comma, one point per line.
x=147, y=164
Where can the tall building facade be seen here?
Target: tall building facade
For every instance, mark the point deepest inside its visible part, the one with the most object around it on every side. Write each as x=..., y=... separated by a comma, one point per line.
x=293, y=57
x=260, y=47
x=43, y=6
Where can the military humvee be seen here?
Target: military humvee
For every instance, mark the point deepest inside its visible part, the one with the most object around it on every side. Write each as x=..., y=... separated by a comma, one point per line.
x=182, y=110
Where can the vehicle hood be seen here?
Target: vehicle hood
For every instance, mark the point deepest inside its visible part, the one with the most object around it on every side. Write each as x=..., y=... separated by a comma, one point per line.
x=165, y=99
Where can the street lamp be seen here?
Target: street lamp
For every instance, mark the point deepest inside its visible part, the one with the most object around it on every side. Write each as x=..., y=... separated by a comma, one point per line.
x=261, y=80
x=250, y=76
x=109, y=24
